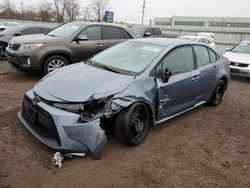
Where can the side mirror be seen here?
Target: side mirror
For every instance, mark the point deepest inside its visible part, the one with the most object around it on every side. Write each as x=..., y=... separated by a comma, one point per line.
x=147, y=34
x=227, y=49
x=81, y=38
x=166, y=75
x=17, y=34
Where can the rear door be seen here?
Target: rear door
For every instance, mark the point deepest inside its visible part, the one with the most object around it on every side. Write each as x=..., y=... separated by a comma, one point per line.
x=207, y=65
x=113, y=35
x=181, y=90
x=84, y=49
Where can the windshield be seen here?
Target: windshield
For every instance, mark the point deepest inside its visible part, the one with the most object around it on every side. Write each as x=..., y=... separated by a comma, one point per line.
x=139, y=30
x=242, y=48
x=128, y=57
x=64, y=30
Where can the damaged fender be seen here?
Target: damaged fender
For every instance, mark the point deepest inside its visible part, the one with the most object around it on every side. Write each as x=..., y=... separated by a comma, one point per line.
x=89, y=134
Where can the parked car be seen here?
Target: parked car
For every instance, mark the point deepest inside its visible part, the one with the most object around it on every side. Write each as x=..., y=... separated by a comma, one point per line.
x=69, y=43
x=199, y=39
x=135, y=84
x=6, y=25
x=147, y=31
x=10, y=33
x=209, y=36
x=239, y=57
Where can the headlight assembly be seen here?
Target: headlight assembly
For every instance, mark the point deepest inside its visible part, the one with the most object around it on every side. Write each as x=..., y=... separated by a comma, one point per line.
x=29, y=46
x=75, y=108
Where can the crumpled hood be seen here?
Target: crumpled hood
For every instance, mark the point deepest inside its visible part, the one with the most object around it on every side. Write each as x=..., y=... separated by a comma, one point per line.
x=81, y=82
x=238, y=57
x=36, y=38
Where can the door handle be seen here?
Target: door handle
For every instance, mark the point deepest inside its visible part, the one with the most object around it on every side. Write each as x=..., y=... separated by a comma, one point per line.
x=99, y=45
x=215, y=68
x=195, y=78
x=163, y=102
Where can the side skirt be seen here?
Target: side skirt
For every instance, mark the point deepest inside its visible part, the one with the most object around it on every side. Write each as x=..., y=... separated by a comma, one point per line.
x=170, y=117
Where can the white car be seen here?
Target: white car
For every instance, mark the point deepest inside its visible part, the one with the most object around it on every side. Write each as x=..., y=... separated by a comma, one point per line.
x=199, y=39
x=207, y=35
x=239, y=57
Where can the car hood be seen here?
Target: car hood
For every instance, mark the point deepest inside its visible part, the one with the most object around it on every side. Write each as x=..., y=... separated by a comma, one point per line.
x=238, y=57
x=36, y=38
x=80, y=83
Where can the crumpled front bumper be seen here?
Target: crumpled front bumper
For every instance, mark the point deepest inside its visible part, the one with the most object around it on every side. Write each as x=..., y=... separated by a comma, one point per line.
x=69, y=136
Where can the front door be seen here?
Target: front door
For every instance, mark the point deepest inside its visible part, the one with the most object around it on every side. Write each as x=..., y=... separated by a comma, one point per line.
x=180, y=91
x=85, y=49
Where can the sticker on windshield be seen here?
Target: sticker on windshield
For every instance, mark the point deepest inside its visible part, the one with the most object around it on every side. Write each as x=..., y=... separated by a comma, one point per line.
x=151, y=49
x=244, y=44
x=74, y=27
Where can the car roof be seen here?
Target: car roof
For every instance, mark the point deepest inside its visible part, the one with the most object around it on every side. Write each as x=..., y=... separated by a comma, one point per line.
x=165, y=41
x=81, y=23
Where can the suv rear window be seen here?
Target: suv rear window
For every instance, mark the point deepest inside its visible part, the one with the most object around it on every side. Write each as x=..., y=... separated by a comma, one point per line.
x=28, y=31
x=111, y=33
x=156, y=31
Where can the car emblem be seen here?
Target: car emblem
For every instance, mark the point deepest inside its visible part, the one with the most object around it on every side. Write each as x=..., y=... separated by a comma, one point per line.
x=236, y=64
x=36, y=99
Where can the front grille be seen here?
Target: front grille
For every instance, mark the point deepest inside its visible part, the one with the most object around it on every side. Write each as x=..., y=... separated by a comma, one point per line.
x=14, y=46
x=40, y=120
x=236, y=71
x=239, y=64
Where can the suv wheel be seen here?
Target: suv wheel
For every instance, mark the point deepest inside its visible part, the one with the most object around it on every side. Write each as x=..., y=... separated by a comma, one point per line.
x=54, y=62
x=132, y=124
x=218, y=93
x=2, y=50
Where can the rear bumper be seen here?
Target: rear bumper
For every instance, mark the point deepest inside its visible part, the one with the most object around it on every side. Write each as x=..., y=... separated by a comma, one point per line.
x=68, y=136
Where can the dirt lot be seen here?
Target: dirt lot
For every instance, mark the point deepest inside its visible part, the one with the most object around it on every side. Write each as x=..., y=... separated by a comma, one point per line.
x=206, y=147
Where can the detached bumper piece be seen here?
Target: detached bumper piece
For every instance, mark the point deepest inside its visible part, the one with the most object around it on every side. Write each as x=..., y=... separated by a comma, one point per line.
x=60, y=129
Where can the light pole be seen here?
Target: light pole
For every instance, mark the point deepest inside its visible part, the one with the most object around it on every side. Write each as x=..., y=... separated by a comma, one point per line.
x=143, y=11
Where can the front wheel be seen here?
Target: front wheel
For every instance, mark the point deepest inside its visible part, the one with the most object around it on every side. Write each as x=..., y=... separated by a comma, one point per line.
x=218, y=93
x=132, y=124
x=54, y=62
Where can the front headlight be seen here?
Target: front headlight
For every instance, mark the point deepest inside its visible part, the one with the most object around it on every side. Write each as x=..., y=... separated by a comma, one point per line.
x=75, y=108
x=29, y=46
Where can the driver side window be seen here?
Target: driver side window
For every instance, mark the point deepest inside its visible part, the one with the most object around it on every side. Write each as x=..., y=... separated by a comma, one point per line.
x=92, y=32
x=180, y=60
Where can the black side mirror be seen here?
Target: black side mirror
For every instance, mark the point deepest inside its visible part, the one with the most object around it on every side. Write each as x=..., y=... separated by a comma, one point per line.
x=166, y=75
x=81, y=38
x=17, y=34
x=147, y=34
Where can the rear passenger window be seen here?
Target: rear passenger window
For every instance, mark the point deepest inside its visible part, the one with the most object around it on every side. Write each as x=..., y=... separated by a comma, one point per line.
x=202, y=55
x=29, y=31
x=111, y=33
x=179, y=60
x=124, y=34
x=213, y=56
x=156, y=31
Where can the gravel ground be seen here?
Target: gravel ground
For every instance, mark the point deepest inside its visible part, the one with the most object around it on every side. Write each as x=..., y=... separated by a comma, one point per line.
x=206, y=147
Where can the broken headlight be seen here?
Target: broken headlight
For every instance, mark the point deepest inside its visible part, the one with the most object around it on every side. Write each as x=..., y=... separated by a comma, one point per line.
x=75, y=108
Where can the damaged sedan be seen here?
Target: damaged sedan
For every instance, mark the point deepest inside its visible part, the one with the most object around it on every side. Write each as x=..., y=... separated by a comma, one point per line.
x=135, y=84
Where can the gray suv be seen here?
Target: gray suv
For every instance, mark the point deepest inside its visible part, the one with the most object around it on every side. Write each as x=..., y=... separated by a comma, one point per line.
x=69, y=43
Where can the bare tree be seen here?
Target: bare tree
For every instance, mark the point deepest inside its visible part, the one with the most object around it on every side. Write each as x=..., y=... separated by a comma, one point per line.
x=7, y=9
x=72, y=9
x=98, y=8
x=60, y=7
x=45, y=11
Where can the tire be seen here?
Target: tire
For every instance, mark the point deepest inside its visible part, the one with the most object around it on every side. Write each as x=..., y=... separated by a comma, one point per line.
x=132, y=124
x=218, y=93
x=53, y=63
x=2, y=50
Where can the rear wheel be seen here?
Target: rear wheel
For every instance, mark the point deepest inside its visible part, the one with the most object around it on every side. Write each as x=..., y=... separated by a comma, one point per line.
x=54, y=62
x=132, y=124
x=218, y=93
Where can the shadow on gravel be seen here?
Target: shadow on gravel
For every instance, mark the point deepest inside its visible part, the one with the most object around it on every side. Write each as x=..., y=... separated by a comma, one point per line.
x=240, y=78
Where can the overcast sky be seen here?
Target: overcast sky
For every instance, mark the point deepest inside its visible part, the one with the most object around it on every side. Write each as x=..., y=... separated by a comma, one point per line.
x=130, y=10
